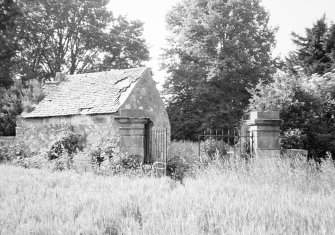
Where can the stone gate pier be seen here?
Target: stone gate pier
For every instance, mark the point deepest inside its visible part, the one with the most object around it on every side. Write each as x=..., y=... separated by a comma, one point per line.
x=265, y=130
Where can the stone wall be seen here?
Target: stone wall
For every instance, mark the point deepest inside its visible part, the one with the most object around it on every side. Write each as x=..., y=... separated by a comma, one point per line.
x=265, y=130
x=133, y=136
x=39, y=133
x=145, y=101
x=6, y=140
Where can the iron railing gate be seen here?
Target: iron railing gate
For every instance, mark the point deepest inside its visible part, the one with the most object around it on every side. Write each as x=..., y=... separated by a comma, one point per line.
x=213, y=142
x=159, y=144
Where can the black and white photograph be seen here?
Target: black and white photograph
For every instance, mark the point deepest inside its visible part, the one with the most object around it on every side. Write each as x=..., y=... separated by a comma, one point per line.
x=167, y=117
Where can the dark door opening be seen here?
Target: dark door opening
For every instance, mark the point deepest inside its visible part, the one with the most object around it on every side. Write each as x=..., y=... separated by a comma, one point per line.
x=147, y=142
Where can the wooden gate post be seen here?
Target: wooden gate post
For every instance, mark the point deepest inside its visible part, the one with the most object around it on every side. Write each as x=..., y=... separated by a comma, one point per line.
x=265, y=128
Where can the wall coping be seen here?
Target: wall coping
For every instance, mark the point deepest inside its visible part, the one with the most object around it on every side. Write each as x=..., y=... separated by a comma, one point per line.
x=5, y=140
x=264, y=115
x=265, y=122
x=7, y=137
x=140, y=120
x=67, y=116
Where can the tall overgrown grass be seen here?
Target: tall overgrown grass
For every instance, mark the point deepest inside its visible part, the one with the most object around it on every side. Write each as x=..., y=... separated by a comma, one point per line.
x=263, y=196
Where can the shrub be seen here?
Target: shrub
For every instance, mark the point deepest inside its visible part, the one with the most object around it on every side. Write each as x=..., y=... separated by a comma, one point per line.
x=111, y=148
x=14, y=151
x=35, y=161
x=5, y=153
x=96, y=155
x=177, y=168
x=105, y=151
x=63, y=162
x=69, y=141
x=122, y=163
x=292, y=139
x=82, y=161
x=10, y=107
x=215, y=148
x=131, y=161
x=107, y=159
x=32, y=94
x=187, y=150
x=16, y=99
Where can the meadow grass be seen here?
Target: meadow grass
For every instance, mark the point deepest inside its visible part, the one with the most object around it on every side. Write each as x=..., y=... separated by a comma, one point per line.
x=185, y=149
x=264, y=196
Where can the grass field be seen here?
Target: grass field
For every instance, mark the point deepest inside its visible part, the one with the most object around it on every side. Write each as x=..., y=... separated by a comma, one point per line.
x=262, y=197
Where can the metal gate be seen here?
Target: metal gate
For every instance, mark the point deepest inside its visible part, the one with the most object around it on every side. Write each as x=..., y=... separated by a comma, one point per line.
x=159, y=145
x=229, y=142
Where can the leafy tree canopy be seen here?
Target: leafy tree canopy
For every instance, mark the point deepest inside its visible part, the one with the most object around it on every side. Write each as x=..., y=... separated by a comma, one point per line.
x=74, y=36
x=216, y=49
x=40, y=38
x=8, y=43
x=316, y=50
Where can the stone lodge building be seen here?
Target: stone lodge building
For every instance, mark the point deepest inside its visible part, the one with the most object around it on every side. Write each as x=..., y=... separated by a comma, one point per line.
x=122, y=104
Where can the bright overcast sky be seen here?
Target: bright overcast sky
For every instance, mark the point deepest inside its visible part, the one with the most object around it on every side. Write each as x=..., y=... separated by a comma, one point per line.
x=289, y=15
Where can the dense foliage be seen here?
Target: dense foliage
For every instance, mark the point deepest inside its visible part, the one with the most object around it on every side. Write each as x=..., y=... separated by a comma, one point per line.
x=68, y=143
x=10, y=107
x=216, y=49
x=16, y=99
x=73, y=36
x=177, y=168
x=307, y=106
x=40, y=38
x=316, y=50
x=9, y=12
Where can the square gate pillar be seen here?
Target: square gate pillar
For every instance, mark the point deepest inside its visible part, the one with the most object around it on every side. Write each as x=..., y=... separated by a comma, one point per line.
x=265, y=129
x=134, y=136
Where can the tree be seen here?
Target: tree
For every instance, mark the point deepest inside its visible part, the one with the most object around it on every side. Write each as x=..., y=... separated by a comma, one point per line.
x=73, y=36
x=40, y=38
x=124, y=45
x=316, y=50
x=8, y=43
x=216, y=49
x=16, y=99
x=10, y=107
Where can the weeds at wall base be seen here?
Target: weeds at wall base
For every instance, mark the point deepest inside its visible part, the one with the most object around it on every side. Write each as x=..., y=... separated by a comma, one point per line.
x=108, y=161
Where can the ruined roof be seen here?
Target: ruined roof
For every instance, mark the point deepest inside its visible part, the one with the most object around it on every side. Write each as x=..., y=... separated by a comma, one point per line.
x=90, y=93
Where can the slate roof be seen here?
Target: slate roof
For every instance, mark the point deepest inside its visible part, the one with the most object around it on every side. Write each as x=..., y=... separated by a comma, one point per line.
x=90, y=93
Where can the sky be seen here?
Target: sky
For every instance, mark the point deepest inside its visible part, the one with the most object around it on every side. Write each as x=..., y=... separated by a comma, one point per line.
x=288, y=15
